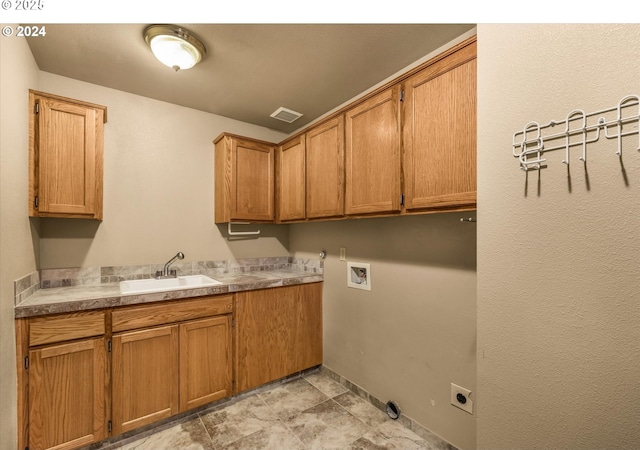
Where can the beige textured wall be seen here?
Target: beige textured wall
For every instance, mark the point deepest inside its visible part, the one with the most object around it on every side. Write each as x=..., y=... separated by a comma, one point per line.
x=414, y=333
x=558, y=268
x=158, y=187
x=18, y=240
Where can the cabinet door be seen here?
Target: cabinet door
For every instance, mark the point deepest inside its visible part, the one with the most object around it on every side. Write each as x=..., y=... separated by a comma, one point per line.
x=325, y=169
x=205, y=361
x=440, y=133
x=253, y=167
x=68, y=141
x=291, y=180
x=67, y=395
x=278, y=332
x=145, y=377
x=373, y=155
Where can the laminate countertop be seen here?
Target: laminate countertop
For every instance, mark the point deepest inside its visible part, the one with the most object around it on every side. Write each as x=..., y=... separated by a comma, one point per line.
x=107, y=295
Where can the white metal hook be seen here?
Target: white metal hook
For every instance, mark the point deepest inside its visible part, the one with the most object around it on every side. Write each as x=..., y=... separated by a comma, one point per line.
x=620, y=119
x=531, y=126
x=529, y=147
x=580, y=113
x=532, y=141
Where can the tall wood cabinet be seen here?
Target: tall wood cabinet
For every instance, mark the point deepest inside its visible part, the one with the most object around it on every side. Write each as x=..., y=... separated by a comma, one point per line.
x=244, y=179
x=372, y=168
x=66, y=140
x=440, y=133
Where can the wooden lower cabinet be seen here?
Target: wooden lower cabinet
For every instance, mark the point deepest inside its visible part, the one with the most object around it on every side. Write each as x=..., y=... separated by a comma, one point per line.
x=206, y=369
x=278, y=332
x=67, y=395
x=161, y=371
x=165, y=358
x=145, y=377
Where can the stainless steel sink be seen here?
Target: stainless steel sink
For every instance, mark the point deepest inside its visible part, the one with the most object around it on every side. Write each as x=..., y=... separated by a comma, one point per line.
x=166, y=284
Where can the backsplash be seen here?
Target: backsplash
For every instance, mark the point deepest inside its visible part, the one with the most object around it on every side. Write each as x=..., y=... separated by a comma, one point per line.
x=53, y=278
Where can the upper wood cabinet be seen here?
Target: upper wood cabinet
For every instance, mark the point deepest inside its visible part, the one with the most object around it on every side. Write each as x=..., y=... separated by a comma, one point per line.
x=409, y=147
x=244, y=179
x=310, y=181
x=372, y=136
x=325, y=169
x=440, y=133
x=291, y=180
x=66, y=144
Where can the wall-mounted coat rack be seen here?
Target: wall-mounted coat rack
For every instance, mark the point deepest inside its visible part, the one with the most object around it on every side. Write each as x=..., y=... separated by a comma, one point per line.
x=580, y=129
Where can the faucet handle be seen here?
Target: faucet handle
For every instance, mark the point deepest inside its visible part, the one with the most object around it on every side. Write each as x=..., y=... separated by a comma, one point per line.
x=173, y=273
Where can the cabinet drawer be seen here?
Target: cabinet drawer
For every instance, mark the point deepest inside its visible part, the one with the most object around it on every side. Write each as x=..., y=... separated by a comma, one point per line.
x=130, y=318
x=65, y=327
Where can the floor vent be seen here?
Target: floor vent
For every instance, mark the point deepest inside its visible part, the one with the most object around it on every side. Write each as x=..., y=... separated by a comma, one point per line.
x=286, y=115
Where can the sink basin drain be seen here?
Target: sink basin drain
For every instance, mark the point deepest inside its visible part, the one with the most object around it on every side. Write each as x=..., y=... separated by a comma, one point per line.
x=393, y=410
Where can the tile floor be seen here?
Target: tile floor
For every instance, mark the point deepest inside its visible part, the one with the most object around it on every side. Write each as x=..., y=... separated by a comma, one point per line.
x=311, y=412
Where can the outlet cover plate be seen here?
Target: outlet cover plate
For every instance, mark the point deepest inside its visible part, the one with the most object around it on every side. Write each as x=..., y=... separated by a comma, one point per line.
x=466, y=404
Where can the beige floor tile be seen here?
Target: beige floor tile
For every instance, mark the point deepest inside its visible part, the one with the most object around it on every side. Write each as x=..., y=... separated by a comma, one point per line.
x=362, y=409
x=289, y=399
x=189, y=435
x=273, y=437
x=326, y=385
x=326, y=426
x=238, y=420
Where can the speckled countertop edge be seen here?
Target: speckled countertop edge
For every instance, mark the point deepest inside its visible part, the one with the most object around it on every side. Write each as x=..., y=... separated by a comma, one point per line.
x=83, y=298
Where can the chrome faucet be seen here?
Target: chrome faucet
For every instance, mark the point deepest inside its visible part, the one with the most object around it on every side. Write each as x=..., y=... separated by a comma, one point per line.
x=165, y=272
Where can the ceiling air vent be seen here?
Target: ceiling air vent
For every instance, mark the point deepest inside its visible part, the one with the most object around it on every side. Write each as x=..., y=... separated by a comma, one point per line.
x=286, y=115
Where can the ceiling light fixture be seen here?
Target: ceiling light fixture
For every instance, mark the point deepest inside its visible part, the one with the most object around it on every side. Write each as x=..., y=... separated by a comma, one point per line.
x=174, y=46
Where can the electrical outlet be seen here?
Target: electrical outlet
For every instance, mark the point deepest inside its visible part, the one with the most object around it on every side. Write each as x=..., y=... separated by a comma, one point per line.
x=460, y=397
x=343, y=254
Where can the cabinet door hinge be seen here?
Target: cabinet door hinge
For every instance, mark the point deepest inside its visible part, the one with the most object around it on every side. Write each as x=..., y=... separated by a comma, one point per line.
x=233, y=323
x=26, y=363
x=233, y=385
x=109, y=346
x=401, y=199
x=36, y=202
x=36, y=108
x=402, y=96
x=109, y=426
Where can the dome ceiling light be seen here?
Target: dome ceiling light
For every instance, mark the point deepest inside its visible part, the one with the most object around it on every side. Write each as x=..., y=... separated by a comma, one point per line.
x=174, y=46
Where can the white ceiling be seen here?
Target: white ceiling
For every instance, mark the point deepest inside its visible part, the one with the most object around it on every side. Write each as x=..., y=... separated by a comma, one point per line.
x=249, y=70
